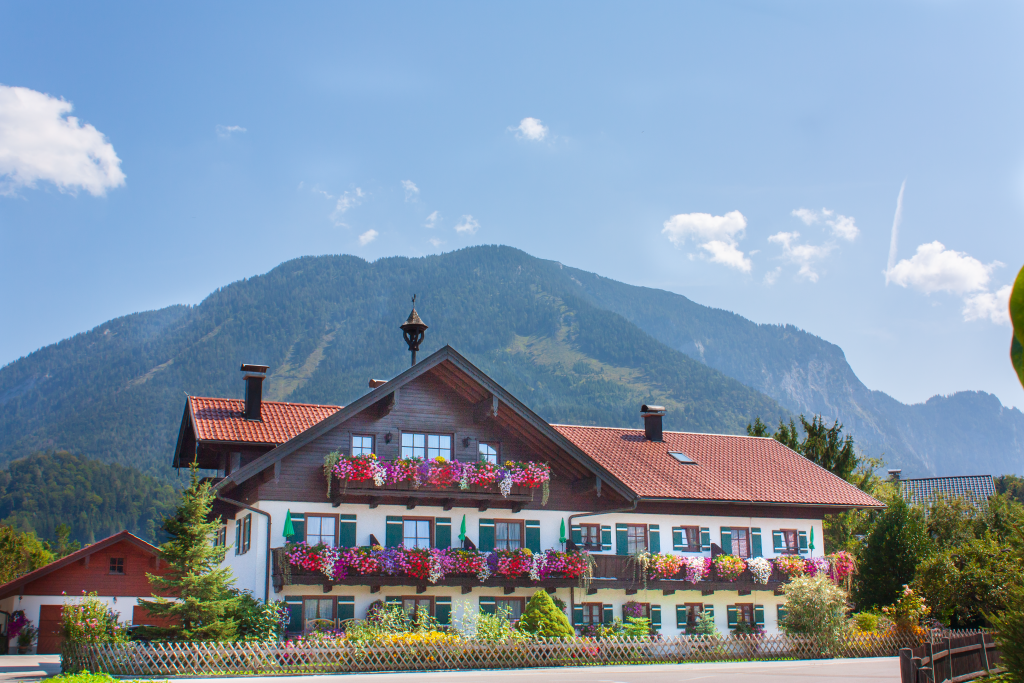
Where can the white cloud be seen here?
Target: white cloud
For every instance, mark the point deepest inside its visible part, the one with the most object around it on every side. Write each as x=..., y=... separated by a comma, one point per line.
x=717, y=235
x=367, y=237
x=806, y=215
x=346, y=201
x=840, y=225
x=436, y=242
x=432, y=220
x=411, y=191
x=937, y=269
x=467, y=224
x=989, y=306
x=530, y=129
x=40, y=142
x=804, y=255
x=226, y=131
x=772, y=275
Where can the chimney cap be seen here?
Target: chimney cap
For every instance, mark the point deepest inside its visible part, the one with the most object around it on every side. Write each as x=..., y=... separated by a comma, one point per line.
x=895, y=474
x=652, y=409
x=248, y=367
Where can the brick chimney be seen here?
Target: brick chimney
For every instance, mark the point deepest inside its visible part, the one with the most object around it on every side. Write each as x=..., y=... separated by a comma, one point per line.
x=254, y=376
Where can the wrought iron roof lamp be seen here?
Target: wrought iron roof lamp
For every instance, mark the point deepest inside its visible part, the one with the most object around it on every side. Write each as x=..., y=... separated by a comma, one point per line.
x=413, y=330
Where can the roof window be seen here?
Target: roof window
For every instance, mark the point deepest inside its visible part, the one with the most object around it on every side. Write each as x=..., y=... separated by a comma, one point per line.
x=682, y=457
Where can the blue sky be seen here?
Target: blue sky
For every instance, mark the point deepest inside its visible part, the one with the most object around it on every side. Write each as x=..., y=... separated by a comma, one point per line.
x=666, y=145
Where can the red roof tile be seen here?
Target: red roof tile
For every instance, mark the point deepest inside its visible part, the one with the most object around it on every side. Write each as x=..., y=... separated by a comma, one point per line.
x=741, y=468
x=220, y=419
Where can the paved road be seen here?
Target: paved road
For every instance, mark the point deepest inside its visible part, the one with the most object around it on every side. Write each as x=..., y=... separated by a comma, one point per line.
x=873, y=670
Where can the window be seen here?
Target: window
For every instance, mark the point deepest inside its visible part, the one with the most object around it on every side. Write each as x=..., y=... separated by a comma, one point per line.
x=488, y=452
x=426, y=446
x=318, y=608
x=636, y=538
x=246, y=523
x=362, y=444
x=508, y=534
x=590, y=534
x=745, y=612
x=691, y=539
x=416, y=532
x=514, y=606
x=693, y=612
x=321, y=529
x=117, y=565
x=220, y=538
x=412, y=606
x=591, y=614
x=790, y=542
x=741, y=542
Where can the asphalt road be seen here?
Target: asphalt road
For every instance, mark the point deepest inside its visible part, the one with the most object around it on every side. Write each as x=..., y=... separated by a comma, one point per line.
x=816, y=671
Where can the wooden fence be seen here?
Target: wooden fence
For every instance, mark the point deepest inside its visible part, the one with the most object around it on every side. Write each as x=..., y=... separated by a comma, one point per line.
x=950, y=657
x=199, y=659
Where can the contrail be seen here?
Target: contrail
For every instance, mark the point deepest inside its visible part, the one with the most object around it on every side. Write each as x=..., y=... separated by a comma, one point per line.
x=895, y=232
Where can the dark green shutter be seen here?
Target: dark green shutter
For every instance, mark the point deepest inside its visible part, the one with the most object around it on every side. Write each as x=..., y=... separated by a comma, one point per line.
x=443, y=610
x=393, y=600
x=238, y=537
x=778, y=542
x=577, y=615
x=677, y=539
x=486, y=535
x=803, y=542
x=755, y=543
x=533, y=535
x=727, y=540
x=759, y=615
x=299, y=527
x=393, y=532
x=621, y=540
x=442, y=532
x=780, y=614
x=705, y=539
x=346, y=607
x=681, y=613
x=710, y=609
x=346, y=531
x=606, y=538
x=294, y=606
x=487, y=605
x=577, y=535
x=654, y=538
x=656, y=617
x=733, y=616
x=608, y=614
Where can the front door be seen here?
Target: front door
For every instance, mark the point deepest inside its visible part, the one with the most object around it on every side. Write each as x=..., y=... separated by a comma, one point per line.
x=50, y=629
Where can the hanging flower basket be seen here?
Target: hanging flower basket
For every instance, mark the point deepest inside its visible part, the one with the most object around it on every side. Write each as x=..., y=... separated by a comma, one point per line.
x=729, y=567
x=760, y=569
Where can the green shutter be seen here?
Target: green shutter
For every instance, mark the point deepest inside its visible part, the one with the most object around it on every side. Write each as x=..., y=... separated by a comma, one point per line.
x=294, y=606
x=803, y=542
x=780, y=614
x=393, y=533
x=608, y=615
x=656, y=617
x=778, y=543
x=346, y=607
x=621, y=540
x=677, y=539
x=759, y=615
x=755, y=543
x=654, y=538
x=606, y=538
x=443, y=610
x=442, y=532
x=486, y=535
x=727, y=540
x=346, y=531
x=710, y=609
x=238, y=538
x=487, y=605
x=393, y=600
x=577, y=535
x=681, y=616
x=533, y=535
x=299, y=527
x=577, y=615
x=705, y=539
x=733, y=616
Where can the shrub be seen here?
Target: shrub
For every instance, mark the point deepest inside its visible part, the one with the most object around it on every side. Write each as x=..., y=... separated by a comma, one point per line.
x=89, y=620
x=637, y=627
x=84, y=677
x=908, y=610
x=256, y=621
x=1010, y=636
x=894, y=548
x=816, y=606
x=543, y=618
x=704, y=625
x=866, y=622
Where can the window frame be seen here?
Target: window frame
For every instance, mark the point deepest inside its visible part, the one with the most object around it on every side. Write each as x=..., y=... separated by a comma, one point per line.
x=522, y=532
x=426, y=444
x=417, y=599
x=647, y=539
x=430, y=529
x=786, y=548
x=504, y=599
x=741, y=612
x=246, y=534
x=693, y=610
x=587, y=608
x=746, y=530
x=318, y=598
x=352, y=444
x=496, y=445
x=321, y=514
x=583, y=537
x=696, y=537
x=114, y=563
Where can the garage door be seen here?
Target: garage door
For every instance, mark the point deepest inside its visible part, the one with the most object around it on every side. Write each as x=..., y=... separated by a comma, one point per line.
x=50, y=629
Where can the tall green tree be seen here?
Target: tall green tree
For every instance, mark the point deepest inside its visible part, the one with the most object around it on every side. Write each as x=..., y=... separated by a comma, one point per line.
x=788, y=435
x=826, y=446
x=199, y=601
x=758, y=428
x=896, y=545
x=20, y=553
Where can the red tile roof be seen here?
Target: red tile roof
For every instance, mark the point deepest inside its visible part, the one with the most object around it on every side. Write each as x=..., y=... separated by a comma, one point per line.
x=220, y=419
x=740, y=468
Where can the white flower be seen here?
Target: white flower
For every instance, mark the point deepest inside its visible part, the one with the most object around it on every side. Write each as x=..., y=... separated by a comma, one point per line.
x=464, y=480
x=436, y=571
x=378, y=473
x=535, y=567
x=484, y=573
x=505, y=485
x=760, y=568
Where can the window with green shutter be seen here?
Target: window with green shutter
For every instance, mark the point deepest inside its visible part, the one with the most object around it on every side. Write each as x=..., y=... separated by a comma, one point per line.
x=755, y=543
x=533, y=535
x=677, y=539
x=346, y=607
x=705, y=539
x=710, y=609
x=759, y=615
x=294, y=607
x=803, y=542
x=622, y=539
x=577, y=535
x=656, y=617
x=443, y=610
x=732, y=616
x=780, y=613
x=486, y=535
x=727, y=540
x=577, y=615
x=654, y=538
x=299, y=527
x=346, y=531
x=442, y=532
x=238, y=537
x=393, y=533
x=606, y=538
x=778, y=542
x=609, y=615
x=682, y=612
x=487, y=605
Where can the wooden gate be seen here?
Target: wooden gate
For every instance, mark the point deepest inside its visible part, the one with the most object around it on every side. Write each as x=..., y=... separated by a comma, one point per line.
x=50, y=636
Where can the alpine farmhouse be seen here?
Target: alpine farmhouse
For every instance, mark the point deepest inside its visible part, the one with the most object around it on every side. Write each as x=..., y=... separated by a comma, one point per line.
x=616, y=491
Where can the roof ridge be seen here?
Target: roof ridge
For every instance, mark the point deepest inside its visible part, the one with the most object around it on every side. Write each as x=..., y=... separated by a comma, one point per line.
x=640, y=429
x=951, y=476
x=280, y=403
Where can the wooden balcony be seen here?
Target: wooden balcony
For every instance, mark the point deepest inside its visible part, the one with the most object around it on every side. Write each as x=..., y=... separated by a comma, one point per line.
x=612, y=571
x=404, y=493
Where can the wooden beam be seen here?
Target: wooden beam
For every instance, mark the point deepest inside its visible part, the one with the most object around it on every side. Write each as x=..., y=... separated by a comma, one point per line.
x=518, y=507
x=327, y=588
x=592, y=591
x=485, y=409
x=588, y=484
x=484, y=504
x=387, y=404
x=668, y=591
x=421, y=589
x=410, y=504
x=448, y=504
x=466, y=590
x=707, y=591
x=375, y=589
x=374, y=502
x=743, y=592
x=509, y=590
x=551, y=589
x=631, y=591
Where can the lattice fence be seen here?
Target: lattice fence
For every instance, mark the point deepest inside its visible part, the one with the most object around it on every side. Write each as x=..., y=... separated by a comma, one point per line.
x=190, y=659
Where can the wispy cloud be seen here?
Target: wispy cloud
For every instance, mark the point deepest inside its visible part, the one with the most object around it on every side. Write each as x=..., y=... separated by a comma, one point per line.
x=436, y=242
x=367, y=237
x=530, y=129
x=803, y=255
x=346, y=201
x=718, y=236
x=40, y=142
x=226, y=131
x=896, y=220
x=411, y=191
x=467, y=224
x=841, y=226
x=432, y=219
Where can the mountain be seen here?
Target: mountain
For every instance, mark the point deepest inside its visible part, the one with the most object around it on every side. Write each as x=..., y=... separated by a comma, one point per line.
x=576, y=347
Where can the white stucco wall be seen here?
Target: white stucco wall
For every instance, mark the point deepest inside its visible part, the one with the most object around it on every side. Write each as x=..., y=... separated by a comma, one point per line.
x=31, y=604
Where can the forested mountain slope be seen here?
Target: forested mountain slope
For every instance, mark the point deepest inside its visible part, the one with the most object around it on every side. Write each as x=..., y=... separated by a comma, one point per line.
x=576, y=347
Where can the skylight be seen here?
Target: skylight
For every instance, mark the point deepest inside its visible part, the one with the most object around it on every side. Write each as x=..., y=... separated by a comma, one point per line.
x=682, y=457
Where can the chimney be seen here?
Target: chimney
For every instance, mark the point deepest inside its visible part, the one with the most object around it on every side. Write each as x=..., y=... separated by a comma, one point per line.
x=895, y=474
x=652, y=421
x=254, y=376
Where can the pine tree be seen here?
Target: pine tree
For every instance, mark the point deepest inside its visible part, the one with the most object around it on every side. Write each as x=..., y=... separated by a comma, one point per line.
x=758, y=428
x=788, y=435
x=542, y=618
x=826, y=446
x=198, y=589
x=897, y=544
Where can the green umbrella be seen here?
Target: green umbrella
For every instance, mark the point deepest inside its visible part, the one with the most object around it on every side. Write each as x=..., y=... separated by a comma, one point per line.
x=812, y=541
x=561, y=533
x=462, y=530
x=288, y=530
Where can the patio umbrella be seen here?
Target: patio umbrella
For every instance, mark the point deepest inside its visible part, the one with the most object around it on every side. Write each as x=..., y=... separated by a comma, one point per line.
x=811, y=546
x=561, y=533
x=288, y=530
x=462, y=530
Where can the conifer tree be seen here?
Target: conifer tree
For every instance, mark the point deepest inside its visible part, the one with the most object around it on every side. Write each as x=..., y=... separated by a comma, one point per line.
x=897, y=544
x=542, y=618
x=198, y=597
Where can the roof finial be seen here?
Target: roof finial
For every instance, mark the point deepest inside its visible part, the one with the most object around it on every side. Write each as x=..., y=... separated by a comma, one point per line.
x=413, y=330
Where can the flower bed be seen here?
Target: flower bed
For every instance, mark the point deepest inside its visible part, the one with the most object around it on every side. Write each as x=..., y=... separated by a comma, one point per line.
x=837, y=567
x=434, y=564
x=439, y=473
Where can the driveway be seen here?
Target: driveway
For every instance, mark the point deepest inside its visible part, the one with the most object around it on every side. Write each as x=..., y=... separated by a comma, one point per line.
x=28, y=667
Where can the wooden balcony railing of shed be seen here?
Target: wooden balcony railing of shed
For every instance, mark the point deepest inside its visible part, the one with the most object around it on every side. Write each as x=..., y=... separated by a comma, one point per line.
x=612, y=571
